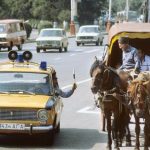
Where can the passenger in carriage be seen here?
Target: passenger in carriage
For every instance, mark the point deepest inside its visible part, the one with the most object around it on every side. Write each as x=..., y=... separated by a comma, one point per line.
x=143, y=63
x=129, y=57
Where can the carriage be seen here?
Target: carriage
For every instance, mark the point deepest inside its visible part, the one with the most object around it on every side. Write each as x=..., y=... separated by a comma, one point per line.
x=139, y=37
x=107, y=82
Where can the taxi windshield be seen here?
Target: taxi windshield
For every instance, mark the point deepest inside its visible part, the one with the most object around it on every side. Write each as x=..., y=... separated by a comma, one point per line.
x=88, y=30
x=50, y=33
x=2, y=28
x=26, y=83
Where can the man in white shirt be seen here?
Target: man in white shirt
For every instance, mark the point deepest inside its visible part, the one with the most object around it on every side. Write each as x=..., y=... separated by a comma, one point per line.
x=144, y=61
x=129, y=56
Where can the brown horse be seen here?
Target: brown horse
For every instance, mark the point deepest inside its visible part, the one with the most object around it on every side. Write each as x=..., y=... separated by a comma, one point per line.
x=140, y=99
x=107, y=83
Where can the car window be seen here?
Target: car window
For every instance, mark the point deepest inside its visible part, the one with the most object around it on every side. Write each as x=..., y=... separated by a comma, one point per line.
x=2, y=28
x=88, y=30
x=37, y=83
x=50, y=33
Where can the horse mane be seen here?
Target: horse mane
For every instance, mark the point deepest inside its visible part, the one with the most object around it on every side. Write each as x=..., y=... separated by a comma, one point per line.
x=95, y=65
x=143, y=78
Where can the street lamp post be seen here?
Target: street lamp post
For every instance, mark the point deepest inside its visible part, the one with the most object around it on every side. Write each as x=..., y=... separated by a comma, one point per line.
x=127, y=9
x=109, y=17
x=74, y=14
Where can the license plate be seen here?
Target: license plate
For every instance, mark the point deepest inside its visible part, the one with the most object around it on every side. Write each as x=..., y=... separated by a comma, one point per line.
x=11, y=126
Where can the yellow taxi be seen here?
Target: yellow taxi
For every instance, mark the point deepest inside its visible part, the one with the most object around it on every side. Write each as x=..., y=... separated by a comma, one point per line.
x=28, y=103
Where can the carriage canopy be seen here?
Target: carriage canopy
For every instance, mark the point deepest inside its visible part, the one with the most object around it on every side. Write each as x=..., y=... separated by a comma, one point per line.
x=139, y=37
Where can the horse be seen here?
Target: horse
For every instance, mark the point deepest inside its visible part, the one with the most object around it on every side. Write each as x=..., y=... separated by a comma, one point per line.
x=140, y=100
x=106, y=82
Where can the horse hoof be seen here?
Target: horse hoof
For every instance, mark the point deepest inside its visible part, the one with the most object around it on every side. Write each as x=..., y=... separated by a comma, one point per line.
x=116, y=148
x=120, y=144
x=103, y=130
x=128, y=144
x=136, y=148
x=146, y=148
x=108, y=148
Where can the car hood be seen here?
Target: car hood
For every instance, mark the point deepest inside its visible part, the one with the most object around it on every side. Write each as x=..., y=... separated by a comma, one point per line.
x=49, y=39
x=87, y=34
x=23, y=101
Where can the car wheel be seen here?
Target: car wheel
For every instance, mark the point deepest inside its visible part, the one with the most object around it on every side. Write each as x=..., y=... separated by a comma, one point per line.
x=57, y=130
x=78, y=44
x=65, y=49
x=82, y=44
x=10, y=47
x=44, y=49
x=37, y=50
x=50, y=137
x=97, y=43
x=19, y=47
x=60, y=49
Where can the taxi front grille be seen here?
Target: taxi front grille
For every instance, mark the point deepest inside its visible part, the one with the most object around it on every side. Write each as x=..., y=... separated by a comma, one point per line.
x=12, y=114
x=86, y=37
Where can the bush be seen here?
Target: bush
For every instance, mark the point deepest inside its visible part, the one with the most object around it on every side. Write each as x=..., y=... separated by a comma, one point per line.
x=44, y=24
x=28, y=29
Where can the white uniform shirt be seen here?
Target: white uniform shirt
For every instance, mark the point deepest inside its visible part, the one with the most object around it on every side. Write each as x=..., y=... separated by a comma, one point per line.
x=145, y=64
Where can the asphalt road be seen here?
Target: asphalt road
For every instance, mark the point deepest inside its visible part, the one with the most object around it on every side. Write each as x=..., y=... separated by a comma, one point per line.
x=80, y=121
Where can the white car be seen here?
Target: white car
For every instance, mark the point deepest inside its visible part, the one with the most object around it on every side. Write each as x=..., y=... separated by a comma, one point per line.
x=52, y=38
x=89, y=34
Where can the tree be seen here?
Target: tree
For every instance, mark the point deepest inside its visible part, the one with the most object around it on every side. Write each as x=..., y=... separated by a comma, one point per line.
x=19, y=8
x=89, y=10
x=64, y=15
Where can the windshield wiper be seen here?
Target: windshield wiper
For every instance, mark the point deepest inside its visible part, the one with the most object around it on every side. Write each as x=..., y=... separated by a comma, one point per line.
x=21, y=92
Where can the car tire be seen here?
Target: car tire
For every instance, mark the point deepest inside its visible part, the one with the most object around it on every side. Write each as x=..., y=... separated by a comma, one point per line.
x=78, y=44
x=82, y=44
x=37, y=50
x=97, y=43
x=19, y=47
x=101, y=43
x=10, y=47
x=50, y=137
x=44, y=49
x=65, y=49
x=60, y=49
x=57, y=130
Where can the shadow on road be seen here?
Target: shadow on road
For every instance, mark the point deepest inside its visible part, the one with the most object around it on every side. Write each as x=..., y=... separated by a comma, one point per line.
x=67, y=139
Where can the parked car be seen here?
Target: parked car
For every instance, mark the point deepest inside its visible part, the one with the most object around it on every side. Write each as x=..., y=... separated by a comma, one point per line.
x=12, y=33
x=28, y=103
x=52, y=38
x=89, y=34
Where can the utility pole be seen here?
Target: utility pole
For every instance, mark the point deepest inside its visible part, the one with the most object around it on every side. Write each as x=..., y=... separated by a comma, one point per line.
x=109, y=17
x=127, y=10
x=74, y=14
x=148, y=9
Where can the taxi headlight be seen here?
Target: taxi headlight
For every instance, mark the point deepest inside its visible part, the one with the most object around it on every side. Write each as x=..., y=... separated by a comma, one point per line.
x=42, y=115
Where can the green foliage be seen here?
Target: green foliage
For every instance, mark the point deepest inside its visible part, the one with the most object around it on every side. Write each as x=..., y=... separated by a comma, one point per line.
x=44, y=24
x=89, y=10
x=119, y=5
x=64, y=15
x=28, y=29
